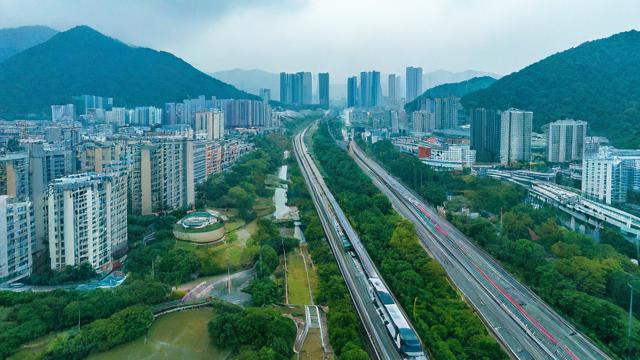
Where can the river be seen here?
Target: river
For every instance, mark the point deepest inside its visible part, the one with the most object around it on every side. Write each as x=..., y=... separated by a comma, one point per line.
x=179, y=335
x=280, y=196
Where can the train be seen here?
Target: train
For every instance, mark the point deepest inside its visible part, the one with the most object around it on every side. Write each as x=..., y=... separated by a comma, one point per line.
x=404, y=337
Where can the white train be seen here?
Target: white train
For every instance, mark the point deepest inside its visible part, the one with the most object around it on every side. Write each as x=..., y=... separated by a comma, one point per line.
x=405, y=338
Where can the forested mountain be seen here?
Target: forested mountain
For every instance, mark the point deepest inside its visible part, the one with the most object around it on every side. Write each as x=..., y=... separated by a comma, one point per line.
x=440, y=77
x=15, y=40
x=251, y=80
x=598, y=81
x=84, y=61
x=458, y=89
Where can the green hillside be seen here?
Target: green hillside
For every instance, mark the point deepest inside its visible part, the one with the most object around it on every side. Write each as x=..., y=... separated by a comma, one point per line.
x=598, y=81
x=84, y=61
x=15, y=40
x=458, y=89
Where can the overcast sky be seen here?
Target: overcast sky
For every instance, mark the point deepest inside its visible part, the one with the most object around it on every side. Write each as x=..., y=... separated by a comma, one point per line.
x=341, y=36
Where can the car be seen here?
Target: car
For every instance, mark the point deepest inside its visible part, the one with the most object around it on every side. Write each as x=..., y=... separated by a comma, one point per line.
x=16, y=285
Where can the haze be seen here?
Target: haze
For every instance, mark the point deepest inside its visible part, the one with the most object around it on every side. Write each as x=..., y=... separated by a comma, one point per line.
x=340, y=36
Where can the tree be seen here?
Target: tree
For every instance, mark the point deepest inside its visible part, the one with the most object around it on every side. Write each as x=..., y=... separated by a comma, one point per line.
x=264, y=292
x=516, y=225
x=588, y=274
x=352, y=352
x=177, y=266
x=563, y=250
x=260, y=332
x=267, y=262
x=549, y=233
x=243, y=201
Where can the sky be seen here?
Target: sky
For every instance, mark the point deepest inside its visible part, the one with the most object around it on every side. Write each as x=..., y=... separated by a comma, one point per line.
x=343, y=37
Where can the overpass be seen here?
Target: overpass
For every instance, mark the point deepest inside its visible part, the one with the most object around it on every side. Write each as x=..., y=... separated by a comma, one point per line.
x=579, y=208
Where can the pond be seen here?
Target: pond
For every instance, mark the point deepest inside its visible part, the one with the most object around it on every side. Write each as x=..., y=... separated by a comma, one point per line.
x=180, y=335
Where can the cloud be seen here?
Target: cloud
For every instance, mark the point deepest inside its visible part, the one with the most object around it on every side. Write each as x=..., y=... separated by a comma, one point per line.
x=141, y=22
x=342, y=36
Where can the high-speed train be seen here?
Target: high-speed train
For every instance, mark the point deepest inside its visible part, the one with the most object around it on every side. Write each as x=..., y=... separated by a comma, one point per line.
x=404, y=337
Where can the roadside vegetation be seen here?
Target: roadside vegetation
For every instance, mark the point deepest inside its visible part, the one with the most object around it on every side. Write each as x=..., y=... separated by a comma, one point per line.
x=446, y=324
x=585, y=280
x=153, y=268
x=252, y=333
x=33, y=315
x=345, y=330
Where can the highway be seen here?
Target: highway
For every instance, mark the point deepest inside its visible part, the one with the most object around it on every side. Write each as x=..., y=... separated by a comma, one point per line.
x=353, y=271
x=523, y=323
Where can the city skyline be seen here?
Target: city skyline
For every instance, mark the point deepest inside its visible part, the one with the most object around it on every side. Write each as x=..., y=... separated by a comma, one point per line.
x=469, y=37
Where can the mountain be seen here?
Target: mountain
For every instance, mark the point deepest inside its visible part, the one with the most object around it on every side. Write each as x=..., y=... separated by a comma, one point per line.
x=439, y=77
x=458, y=89
x=84, y=61
x=251, y=80
x=597, y=81
x=15, y=40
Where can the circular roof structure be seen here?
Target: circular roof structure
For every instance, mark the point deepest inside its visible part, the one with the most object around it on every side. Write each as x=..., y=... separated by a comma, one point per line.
x=198, y=219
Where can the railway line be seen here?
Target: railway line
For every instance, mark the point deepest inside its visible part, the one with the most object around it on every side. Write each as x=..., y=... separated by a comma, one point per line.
x=386, y=324
x=524, y=324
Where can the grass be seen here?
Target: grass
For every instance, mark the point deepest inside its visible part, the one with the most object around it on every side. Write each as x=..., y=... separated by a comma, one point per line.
x=297, y=283
x=312, y=347
x=264, y=206
x=233, y=225
x=34, y=349
x=240, y=255
x=313, y=277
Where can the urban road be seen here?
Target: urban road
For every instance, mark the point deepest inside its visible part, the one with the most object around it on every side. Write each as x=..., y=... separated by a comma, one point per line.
x=526, y=326
x=383, y=347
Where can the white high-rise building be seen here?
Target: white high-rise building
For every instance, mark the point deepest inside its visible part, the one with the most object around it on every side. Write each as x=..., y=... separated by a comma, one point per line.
x=146, y=116
x=209, y=124
x=63, y=113
x=119, y=175
x=161, y=176
x=392, y=86
x=610, y=174
x=515, y=136
x=413, y=82
x=84, y=220
x=116, y=116
x=423, y=121
x=565, y=140
x=14, y=175
x=46, y=162
x=17, y=231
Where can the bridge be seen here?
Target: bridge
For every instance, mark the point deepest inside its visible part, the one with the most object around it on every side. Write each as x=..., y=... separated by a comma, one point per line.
x=178, y=305
x=580, y=209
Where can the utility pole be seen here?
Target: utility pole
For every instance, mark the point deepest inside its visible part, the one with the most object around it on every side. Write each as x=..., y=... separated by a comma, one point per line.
x=415, y=300
x=226, y=255
x=630, y=310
